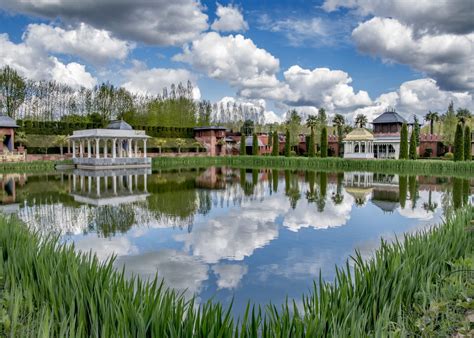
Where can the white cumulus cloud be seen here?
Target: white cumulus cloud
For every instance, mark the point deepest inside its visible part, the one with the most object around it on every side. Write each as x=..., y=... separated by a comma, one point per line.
x=230, y=19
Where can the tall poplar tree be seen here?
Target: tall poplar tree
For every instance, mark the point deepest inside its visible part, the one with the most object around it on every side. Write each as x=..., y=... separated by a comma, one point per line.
x=276, y=144
x=412, y=153
x=467, y=144
x=242, y=145
x=287, y=144
x=255, y=145
x=324, y=142
x=311, y=145
x=404, y=142
x=459, y=143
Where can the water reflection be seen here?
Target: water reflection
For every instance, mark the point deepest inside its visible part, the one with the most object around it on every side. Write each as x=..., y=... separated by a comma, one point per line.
x=223, y=232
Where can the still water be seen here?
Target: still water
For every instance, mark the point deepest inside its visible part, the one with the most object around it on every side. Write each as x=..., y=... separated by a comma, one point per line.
x=224, y=233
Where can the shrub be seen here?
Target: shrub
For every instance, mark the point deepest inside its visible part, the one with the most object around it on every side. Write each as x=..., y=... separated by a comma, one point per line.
x=449, y=156
x=459, y=143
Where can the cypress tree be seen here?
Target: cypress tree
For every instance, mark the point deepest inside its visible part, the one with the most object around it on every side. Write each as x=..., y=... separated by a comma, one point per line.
x=404, y=142
x=412, y=154
x=276, y=144
x=311, y=146
x=287, y=144
x=324, y=142
x=416, y=130
x=467, y=144
x=242, y=145
x=255, y=145
x=459, y=144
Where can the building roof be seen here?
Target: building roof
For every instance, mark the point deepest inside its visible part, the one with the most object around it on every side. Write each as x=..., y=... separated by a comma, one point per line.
x=389, y=117
x=119, y=124
x=210, y=128
x=386, y=206
x=359, y=134
x=7, y=122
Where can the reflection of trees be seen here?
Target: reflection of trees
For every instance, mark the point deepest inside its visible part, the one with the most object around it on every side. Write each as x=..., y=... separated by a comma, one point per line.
x=275, y=180
x=323, y=184
x=338, y=197
x=311, y=194
x=402, y=188
x=457, y=193
x=430, y=206
x=173, y=200
x=292, y=189
x=254, y=177
x=247, y=187
x=413, y=187
x=108, y=220
x=205, y=202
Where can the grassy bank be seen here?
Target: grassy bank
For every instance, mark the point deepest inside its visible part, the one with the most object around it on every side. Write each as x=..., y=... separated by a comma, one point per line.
x=48, y=290
x=419, y=167
x=27, y=167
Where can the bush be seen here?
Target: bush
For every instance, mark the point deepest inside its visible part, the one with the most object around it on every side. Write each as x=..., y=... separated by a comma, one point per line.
x=449, y=156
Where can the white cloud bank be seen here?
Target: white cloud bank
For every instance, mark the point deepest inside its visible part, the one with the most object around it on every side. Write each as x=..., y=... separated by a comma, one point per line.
x=230, y=19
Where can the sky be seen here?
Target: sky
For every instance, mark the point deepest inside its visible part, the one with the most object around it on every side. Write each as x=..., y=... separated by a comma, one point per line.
x=347, y=56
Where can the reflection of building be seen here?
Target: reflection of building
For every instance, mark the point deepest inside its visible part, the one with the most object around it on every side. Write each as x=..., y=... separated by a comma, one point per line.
x=8, y=192
x=115, y=146
x=359, y=144
x=358, y=185
x=111, y=187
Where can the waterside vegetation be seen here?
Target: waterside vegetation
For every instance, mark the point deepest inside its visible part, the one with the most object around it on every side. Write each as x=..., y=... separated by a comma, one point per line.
x=405, y=167
x=49, y=290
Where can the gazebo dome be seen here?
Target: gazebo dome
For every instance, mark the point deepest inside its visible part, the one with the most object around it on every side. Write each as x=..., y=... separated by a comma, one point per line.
x=359, y=134
x=7, y=122
x=119, y=124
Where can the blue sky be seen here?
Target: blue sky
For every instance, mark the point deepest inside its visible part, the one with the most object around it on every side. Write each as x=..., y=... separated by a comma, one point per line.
x=349, y=57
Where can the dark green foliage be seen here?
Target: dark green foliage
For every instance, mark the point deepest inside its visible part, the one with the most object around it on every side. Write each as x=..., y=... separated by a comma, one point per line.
x=243, y=149
x=467, y=144
x=404, y=142
x=248, y=127
x=416, y=130
x=287, y=144
x=459, y=143
x=412, y=153
x=402, y=190
x=311, y=145
x=324, y=142
x=254, y=144
x=276, y=144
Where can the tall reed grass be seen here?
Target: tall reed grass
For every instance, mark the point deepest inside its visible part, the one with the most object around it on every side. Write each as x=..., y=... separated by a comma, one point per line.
x=48, y=290
x=419, y=167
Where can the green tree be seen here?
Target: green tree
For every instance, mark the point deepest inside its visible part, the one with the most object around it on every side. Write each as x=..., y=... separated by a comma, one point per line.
x=287, y=143
x=293, y=123
x=449, y=124
x=338, y=121
x=432, y=117
x=242, y=145
x=467, y=144
x=12, y=91
x=463, y=115
x=180, y=143
x=248, y=127
x=311, y=122
x=276, y=144
x=324, y=142
x=61, y=141
x=404, y=142
x=459, y=143
x=255, y=145
x=416, y=130
x=21, y=138
x=412, y=152
x=361, y=121
x=322, y=117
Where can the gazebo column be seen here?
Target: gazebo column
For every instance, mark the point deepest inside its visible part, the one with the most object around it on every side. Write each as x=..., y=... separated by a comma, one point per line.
x=114, y=148
x=144, y=148
x=97, y=148
x=145, y=188
x=105, y=148
x=88, y=148
x=81, y=149
x=97, y=183
x=129, y=146
x=73, y=149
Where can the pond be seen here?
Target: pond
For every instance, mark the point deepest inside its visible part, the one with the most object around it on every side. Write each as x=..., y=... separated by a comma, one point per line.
x=222, y=233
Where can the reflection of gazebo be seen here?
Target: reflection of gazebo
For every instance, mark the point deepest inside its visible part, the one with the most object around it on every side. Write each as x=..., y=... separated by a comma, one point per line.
x=111, y=187
x=112, y=147
x=386, y=199
x=360, y=194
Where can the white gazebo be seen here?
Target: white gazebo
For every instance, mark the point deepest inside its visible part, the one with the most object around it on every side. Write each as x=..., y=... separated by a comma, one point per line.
x=359, y=143
x=116, y=146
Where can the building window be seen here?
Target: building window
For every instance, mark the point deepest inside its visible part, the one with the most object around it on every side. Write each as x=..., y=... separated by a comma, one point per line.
x=356, y=148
